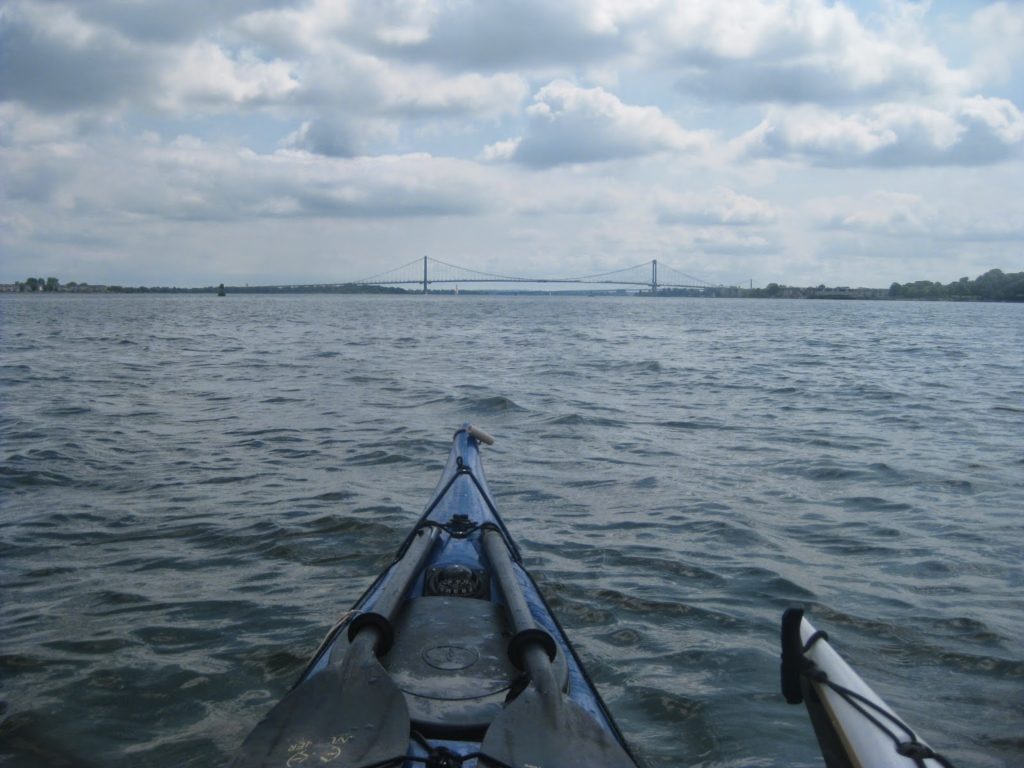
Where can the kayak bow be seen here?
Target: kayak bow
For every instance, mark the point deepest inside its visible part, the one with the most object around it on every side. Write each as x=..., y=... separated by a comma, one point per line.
x=854, y=726
x=451, y=658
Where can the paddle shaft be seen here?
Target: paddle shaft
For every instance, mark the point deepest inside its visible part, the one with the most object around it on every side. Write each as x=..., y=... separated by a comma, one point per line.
x=538, y=667
x=392, y=594
x=541, y=726
x=534, y=656
x=404, y=571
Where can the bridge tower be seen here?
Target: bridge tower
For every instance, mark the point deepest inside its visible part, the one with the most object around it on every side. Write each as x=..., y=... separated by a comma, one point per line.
x=424, y=274
x=654, y=276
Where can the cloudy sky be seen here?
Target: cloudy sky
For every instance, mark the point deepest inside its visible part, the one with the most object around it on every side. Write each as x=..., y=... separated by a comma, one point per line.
x=190, y=142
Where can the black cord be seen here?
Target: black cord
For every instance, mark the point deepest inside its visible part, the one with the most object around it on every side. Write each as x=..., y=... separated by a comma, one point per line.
x=910, y=747
x=442, y=757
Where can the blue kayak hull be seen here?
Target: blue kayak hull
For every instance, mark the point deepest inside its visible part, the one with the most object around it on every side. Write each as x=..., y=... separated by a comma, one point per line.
x=464, y=652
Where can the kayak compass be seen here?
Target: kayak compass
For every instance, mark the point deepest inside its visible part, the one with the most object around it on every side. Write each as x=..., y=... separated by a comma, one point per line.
x=457, y=580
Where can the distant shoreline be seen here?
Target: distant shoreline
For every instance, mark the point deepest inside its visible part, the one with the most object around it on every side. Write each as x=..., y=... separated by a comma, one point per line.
x=667, y=294
x=993, y=286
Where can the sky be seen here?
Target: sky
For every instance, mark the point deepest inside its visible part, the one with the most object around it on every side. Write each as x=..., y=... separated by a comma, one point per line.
x=189, y=142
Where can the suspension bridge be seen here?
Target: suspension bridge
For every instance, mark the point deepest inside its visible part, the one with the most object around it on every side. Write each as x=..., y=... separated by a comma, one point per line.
x=428, y=271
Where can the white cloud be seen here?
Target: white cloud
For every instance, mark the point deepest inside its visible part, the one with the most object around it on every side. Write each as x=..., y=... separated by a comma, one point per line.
x=203, y=181
x=880, y=212
x=21, y=126
x=295, y=183
x=205, y=75
x=501, y=151
x=999, y=117
x=973, y=131
x=998, y=30
x=570, y=124
x=365, y=85
x=911, y=215
x=729, y=241
x=722, y=207
x=420, y=90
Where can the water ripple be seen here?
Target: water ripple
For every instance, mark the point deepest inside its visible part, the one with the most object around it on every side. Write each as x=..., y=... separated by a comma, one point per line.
x=193, y=490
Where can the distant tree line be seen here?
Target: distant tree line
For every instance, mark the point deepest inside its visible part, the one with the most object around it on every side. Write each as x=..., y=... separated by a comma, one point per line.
x=53, y=285
x=777, y=291
x=273, y=289
x=994, y=285
x=48, y=284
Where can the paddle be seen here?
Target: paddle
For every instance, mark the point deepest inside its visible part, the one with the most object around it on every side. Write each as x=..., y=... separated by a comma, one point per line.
x=540, y=727
x=352, y=713
x=348, y=715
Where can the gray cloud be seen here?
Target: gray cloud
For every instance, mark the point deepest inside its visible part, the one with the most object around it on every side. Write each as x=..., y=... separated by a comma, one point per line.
x=35, y=182
x=166, y=21
x=51, y=75
x=795, y=82
x=56, y=59
x=495, y=36
x=333, y=138
x=811, y=52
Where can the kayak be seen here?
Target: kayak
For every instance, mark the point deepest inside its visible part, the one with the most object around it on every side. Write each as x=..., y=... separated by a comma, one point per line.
x=854, y=726
x=451, y=658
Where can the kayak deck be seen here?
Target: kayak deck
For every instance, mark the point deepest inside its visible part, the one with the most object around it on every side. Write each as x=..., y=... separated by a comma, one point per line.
x=451, y=657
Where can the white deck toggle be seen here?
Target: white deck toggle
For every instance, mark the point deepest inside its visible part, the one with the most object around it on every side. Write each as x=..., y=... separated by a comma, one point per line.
x=480, y=435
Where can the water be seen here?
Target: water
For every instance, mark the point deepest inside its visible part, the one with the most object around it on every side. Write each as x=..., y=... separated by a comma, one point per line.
x=194, y=488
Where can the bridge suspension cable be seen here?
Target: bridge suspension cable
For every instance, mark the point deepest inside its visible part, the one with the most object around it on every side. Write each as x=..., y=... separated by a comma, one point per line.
x=668, y=277
x=427, y=270
x=480, y=274
x=396, y=272
x=593, y=278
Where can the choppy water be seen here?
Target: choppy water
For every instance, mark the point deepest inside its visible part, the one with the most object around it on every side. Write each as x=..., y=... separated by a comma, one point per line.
x=194, y=488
